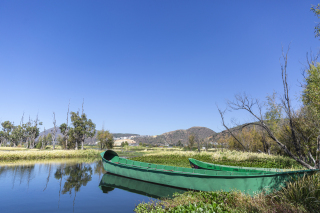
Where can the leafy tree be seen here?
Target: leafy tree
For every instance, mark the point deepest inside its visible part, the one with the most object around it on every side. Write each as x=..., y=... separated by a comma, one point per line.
x=311, y=92
x=7, y=128
x=191, y=141
x=82, y=128
x=316, y=10
x=41, y=142
x=105, y=139
x=64, y=128
x=179, y=143
x=49, y=139
x=2, y=137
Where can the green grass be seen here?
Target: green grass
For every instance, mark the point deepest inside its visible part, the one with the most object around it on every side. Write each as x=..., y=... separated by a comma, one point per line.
x=48, y=154
x=182, y=161
x=219, y=202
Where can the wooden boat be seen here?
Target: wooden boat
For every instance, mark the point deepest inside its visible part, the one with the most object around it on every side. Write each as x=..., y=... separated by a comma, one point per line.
x=199, y=179
x=217, y=167
x=109, y=182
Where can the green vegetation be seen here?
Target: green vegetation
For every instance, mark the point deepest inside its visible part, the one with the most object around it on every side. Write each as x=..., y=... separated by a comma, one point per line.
x=48, y=154
x=231, y=158
x=105, y=139
x=219, y=202
x=82, y=129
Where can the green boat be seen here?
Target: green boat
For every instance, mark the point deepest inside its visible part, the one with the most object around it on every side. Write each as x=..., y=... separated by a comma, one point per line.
x=217, y=167
x=110, y=181
x=199, y=179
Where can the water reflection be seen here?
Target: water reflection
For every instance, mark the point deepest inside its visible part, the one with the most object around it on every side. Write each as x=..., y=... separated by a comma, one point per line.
x=110, y=181
x=71, y=185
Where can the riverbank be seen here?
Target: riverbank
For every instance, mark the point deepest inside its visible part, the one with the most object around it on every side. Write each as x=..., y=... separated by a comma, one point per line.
x=48, y=154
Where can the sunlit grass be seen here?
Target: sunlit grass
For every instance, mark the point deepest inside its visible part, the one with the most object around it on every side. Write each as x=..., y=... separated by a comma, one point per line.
x=12, y=148
x=231, y=158
x=47, y=161
x=48, y=154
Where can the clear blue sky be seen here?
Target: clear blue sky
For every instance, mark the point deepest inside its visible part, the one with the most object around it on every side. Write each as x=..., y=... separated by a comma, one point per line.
x=147, y=67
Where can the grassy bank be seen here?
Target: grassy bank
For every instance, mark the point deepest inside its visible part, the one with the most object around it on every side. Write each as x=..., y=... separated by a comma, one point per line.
x=48, y=154
x=300, y=196
x=23, y=162
x=231, y=158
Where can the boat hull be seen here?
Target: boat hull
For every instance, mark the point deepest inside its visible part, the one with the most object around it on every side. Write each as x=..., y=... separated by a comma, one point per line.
x=203, y=180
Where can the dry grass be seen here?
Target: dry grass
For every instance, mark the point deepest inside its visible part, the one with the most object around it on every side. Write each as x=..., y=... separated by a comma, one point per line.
x=217, y=155
x=48, y=154
x=46, y=161
x=13, y=148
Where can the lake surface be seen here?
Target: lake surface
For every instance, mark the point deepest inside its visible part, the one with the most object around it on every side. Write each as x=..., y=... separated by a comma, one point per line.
x=70, y=186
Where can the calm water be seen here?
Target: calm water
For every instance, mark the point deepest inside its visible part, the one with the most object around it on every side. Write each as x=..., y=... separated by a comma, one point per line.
x=72, y=187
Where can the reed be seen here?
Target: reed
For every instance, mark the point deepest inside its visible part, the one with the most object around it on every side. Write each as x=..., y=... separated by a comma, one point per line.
x=48, y=154
x=46, y=161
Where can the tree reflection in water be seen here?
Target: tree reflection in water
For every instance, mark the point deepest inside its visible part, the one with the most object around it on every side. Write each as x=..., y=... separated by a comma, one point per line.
x=77, y=175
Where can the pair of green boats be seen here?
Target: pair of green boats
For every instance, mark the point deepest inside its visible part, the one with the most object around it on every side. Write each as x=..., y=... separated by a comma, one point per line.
x=202, y=176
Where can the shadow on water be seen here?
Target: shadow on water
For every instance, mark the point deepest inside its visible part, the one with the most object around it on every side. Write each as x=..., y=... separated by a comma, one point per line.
x=111, y=181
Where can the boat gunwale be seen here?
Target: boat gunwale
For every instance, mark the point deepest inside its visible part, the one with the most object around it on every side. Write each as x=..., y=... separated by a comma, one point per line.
x=271, y=170
x=232, y=175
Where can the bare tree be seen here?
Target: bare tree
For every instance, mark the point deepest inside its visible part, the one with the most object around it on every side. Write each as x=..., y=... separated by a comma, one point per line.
x=229, y=131
x=244, y=102
x=66, y=130
x=54, y=131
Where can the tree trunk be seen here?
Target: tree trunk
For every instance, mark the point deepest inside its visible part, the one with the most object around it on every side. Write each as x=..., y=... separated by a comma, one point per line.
x=318, y=153
x=66, y=144
x=76, y=148
x=82, y=145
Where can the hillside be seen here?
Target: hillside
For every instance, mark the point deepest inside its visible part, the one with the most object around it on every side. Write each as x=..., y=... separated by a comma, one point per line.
x=88, y=140
x=174, y=136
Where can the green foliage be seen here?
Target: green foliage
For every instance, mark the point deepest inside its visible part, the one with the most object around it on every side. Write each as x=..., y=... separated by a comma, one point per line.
x=305, y=191
x=218, y=202
x=316, y=10
x=191, y=141
x=123, y=144
x=182, y=161
x=40, y=142
x=311, y=93
x=105, y=139
x=82, y=129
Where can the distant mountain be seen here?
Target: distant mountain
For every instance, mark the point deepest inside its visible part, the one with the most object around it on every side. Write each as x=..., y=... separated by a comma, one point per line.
x=166, y=138
x=88, y=140
x=174, y=136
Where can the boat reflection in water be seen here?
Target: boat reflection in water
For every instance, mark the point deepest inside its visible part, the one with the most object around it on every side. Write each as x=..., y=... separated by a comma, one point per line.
x=110, y=181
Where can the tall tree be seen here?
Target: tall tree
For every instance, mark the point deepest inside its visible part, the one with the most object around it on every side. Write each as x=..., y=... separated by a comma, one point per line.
x=65, y=130
x=7, y=128
x=191, y=141
x=82, y=128
x=105, y=139
x=54, y=131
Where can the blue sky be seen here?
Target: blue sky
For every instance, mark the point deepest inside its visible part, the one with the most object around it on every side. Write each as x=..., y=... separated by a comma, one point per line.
x=147, y=67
